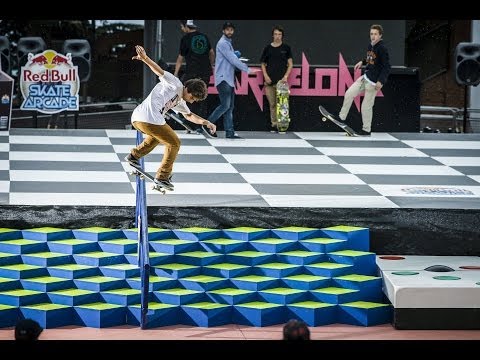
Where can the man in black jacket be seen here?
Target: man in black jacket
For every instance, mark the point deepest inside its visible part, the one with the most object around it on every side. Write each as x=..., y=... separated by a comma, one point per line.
x=376, y=73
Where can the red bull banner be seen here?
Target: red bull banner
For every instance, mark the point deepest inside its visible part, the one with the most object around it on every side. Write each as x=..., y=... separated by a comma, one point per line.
x=49, y=83
x=6, y=95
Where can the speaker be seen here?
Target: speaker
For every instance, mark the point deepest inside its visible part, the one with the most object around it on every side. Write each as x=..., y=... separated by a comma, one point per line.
x=467, y=64
x=28, y=45
x=4, y=54
x=81, y=56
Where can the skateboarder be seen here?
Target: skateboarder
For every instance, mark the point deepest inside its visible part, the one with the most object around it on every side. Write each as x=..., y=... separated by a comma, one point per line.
x=276, y=63
x=376, y=73
x=148, y=117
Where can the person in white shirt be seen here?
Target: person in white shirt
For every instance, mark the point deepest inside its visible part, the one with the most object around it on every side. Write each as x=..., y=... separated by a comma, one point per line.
x=149, y=116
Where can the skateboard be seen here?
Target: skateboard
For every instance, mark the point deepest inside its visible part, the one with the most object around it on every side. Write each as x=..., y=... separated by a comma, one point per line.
x=283, y=109
x=143, y=174
x=186, y=125
x=326, y=115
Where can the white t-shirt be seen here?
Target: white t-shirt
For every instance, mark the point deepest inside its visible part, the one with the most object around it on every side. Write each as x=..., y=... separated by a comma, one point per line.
x=166, y=95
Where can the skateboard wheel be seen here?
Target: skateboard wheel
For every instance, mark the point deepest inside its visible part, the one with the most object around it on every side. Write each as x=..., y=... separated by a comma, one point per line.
x=324, y=118
x=142, y=177
x=155, y=187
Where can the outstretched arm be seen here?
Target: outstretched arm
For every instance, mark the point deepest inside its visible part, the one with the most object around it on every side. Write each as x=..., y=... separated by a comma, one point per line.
x=142, y=56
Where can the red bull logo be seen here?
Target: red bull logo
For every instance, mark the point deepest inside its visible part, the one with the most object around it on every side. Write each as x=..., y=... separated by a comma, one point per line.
x=49, y=83
x=60, y=59
x=50, y=75
x=40, y=60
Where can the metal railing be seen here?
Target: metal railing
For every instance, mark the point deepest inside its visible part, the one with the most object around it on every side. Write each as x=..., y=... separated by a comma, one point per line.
x=141, y=223
x=452, y=114
x=94, y=115
x=439, y=113
x=473, y=120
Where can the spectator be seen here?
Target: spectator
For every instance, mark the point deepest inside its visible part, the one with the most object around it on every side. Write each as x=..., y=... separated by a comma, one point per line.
x=296, y=330
x=277, y=64
x=27, y=330
x=376, y=73
x=196, y=50
x=225, y=63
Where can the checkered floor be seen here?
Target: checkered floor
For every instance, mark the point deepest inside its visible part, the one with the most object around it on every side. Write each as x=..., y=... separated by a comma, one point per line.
x=304, y=169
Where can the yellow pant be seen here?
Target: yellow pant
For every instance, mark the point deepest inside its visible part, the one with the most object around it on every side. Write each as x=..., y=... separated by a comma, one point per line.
x=156, y=134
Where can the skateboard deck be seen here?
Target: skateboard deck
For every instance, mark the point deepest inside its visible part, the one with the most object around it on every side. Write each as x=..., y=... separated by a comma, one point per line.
x=283, y=109
x=186, y=125
x=326, y=115
x=143, y=174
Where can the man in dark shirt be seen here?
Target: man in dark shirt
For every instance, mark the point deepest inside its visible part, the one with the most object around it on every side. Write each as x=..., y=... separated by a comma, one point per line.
x=376, y=73
x=277, y=63
x=196, y=50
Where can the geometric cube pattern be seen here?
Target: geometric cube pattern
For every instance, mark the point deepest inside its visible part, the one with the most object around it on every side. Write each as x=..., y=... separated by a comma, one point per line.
x=199, y=276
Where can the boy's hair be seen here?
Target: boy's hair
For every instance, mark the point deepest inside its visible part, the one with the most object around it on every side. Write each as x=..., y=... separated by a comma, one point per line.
x=278, y=28
x=377, y=27
x=296, y=330
x=197, y=88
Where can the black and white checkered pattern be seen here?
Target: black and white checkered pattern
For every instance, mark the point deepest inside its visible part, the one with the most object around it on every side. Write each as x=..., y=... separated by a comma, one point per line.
x=304, y=169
